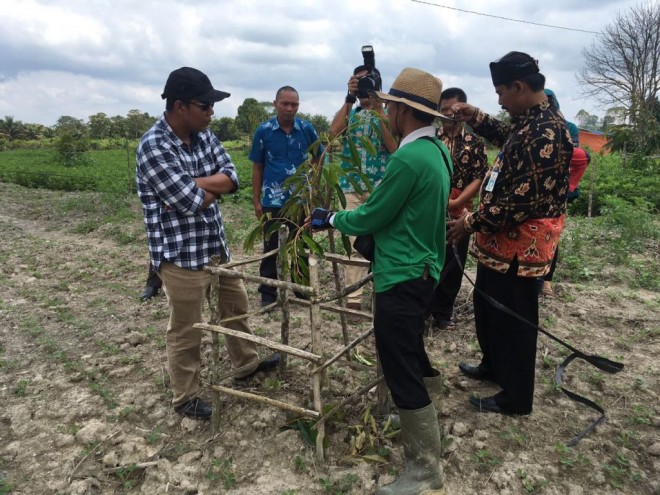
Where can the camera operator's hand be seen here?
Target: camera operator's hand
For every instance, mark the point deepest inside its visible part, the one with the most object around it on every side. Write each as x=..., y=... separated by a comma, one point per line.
x=353, y=85
x=320, y=218
x=463, y=112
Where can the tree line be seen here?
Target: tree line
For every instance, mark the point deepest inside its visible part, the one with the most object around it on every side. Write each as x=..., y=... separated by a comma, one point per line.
x=132, y=126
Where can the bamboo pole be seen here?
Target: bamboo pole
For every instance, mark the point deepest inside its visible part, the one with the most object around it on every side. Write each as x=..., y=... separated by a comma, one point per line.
x=345, y=260
x=267, y=400
x=349, y=289
x=223, y=272
x=214, y=306
x=284, y=301
x=315, y=323
x=251, y=259
x=338, y=287
x=333, y=308
x=343, y=351
x=261, y=341
x=240, y=369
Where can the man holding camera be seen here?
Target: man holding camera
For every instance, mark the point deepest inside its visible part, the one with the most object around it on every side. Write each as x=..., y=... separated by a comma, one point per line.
x=356, y=124
x=406, y=216
x=522, y=205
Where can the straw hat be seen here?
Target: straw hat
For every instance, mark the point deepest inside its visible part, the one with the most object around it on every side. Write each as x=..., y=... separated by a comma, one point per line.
x=417, y=89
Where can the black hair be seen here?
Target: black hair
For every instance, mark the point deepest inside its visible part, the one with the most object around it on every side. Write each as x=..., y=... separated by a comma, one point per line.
x=451, y=93
x=536, y=82
x=359, y=68
x=423, y=117
x=283, y=89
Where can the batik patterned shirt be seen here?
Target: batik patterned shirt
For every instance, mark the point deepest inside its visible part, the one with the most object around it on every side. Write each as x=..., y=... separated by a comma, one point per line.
x=529, y=177
x=468, y=154
x=364, y=124
x=179, y=229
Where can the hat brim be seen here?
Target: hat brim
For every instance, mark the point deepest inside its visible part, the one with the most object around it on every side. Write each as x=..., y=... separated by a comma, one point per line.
x=413, y=104
x=213, y=96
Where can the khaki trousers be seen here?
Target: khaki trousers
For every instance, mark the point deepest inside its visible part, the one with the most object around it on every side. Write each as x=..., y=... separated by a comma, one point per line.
x=353, y=274
x=186, y=291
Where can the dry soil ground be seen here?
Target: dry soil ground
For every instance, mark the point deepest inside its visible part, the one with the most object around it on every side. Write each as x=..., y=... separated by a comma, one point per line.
x=84, y=388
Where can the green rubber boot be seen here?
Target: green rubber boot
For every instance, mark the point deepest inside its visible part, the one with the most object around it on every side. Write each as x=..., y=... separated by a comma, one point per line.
x=434, y=386
x=422, y=449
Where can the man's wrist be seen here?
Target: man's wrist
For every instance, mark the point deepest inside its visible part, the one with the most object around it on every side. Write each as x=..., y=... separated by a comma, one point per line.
x=350, y=98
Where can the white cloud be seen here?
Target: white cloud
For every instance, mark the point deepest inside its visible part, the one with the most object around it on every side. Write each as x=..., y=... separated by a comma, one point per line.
x=80, y=57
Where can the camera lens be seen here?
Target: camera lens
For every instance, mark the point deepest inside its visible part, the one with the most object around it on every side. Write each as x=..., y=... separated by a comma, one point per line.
x=366, y=84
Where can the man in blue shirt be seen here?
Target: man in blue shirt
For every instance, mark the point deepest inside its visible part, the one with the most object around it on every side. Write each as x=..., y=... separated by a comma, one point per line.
x=280, y=145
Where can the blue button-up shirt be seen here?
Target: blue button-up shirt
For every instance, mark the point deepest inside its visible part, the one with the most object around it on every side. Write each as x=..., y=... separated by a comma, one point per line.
x=281, y=154
x=179, y=230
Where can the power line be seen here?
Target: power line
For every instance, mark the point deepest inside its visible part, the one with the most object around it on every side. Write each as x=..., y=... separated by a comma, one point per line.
x=505, y=18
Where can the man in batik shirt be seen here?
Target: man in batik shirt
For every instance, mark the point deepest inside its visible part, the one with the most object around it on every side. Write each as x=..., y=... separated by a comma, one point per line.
x=522, y=205
x=470, y=166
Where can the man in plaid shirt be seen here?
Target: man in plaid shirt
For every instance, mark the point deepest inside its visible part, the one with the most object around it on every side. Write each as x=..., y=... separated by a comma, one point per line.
x=182, y=169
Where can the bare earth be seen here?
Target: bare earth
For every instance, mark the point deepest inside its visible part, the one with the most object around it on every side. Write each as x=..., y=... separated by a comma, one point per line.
x=84, y=388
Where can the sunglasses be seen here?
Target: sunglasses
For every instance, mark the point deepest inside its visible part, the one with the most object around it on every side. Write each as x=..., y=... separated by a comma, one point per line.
x=204, y=107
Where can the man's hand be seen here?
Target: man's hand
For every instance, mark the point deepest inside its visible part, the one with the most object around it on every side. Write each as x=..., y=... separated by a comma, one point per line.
x=320, y=218
x=456, y=230
x=258, y=210
x=353, y=85
x=463, y=112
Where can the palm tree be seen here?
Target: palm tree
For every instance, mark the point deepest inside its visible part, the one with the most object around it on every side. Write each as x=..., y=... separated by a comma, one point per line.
x=11, y=129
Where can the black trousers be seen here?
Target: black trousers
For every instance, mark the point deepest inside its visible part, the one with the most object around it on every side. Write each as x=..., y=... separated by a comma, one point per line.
x=398, y=327
x=450, y=281
x=508, y=345
x=153, y=280
x=268, y=266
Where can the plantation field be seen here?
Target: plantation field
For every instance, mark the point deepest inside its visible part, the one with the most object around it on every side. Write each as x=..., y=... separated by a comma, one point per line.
x=86, y=397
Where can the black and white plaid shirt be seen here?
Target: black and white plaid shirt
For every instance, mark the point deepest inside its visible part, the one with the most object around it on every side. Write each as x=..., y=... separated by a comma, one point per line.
x=179, y=230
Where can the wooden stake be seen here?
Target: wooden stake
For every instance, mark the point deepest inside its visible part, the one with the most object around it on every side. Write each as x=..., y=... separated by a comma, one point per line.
x=267, y=400
x=315, y=323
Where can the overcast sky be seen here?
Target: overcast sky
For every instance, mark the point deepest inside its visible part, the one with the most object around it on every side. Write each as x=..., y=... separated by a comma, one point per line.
x=81, y=57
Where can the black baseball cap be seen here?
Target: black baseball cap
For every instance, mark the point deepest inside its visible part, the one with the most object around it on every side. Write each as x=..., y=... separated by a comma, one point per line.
x=186, y=84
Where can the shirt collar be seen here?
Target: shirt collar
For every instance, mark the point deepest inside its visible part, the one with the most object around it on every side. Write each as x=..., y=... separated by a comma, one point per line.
x=296, y=123
x=429, y=130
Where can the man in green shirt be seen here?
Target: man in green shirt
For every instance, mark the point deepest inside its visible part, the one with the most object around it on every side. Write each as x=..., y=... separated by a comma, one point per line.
x=406, y=216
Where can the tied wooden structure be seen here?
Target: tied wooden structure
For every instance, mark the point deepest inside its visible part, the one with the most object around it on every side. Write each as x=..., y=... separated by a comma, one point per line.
x=319, y=360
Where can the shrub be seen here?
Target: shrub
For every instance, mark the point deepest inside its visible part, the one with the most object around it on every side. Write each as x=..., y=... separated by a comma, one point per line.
x=637, y=180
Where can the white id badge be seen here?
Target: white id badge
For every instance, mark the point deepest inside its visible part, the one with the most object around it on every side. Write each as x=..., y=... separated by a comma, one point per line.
x=491, y=181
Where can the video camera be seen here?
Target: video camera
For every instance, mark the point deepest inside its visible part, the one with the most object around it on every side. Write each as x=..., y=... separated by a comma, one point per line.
x=371, y=81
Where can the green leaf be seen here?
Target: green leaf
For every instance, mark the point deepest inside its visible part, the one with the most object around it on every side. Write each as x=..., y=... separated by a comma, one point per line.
x=341, y=196
x=374, y=458
x=368, y=145
x=355, y=155
x=311, y=243
x=355, y=183
x=346, y=243
x=252, y=236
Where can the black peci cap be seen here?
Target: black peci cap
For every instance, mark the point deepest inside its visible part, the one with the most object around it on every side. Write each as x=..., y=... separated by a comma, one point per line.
x=511, y=67
x=187, y=83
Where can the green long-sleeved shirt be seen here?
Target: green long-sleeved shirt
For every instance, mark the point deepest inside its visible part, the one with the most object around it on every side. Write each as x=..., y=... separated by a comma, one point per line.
x=406, y=215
